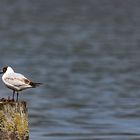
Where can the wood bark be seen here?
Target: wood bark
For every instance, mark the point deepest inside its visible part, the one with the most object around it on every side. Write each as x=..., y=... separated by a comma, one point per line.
x=13, y=120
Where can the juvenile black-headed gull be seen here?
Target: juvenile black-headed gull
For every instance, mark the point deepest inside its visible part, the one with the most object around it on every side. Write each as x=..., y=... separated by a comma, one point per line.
x=16, y=81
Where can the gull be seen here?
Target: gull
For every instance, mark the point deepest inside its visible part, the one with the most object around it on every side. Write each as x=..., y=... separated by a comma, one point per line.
x=16, y=81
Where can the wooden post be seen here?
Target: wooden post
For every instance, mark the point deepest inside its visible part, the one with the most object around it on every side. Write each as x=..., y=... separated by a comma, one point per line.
x=13, y=120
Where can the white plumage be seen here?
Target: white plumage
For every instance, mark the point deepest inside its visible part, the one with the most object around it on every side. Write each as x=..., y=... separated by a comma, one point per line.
x=16, y=81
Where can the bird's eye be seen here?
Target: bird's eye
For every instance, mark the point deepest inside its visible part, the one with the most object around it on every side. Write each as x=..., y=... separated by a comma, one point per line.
x=4, y=69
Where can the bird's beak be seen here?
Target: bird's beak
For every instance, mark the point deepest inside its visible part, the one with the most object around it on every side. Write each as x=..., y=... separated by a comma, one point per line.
x=1, y=72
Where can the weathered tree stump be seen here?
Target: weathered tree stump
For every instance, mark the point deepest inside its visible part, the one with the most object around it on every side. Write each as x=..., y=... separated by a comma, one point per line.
x=13, y=120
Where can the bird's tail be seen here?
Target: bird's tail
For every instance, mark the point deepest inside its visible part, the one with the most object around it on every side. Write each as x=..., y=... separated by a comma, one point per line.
x=33, y=84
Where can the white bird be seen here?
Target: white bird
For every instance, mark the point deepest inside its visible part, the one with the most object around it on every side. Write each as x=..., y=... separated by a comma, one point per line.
x=16, y=81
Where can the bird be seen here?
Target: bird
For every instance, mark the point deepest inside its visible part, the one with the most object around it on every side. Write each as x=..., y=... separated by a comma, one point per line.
x=16, y=81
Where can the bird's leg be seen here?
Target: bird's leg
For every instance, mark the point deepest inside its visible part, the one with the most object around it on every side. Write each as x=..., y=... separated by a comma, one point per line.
x=13, y=94
x=17, y=96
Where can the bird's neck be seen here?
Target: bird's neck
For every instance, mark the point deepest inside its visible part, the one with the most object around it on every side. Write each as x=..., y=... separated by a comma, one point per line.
x=10, y=70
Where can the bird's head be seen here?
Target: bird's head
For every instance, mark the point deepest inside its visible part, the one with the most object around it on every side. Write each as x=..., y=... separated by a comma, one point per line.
x=6, y=69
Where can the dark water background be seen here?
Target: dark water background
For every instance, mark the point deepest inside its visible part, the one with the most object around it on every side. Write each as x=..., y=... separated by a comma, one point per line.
x=88, y=53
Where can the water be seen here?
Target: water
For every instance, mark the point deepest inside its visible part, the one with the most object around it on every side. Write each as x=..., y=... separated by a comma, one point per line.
x=87, y=53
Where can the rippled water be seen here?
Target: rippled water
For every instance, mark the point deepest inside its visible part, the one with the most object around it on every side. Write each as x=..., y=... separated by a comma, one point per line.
x=88, y=55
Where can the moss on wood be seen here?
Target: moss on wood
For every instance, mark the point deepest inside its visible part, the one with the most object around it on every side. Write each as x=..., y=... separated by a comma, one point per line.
x=13, y=120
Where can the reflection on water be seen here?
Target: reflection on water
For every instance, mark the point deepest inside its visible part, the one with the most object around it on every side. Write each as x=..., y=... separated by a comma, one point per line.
x=87, y=53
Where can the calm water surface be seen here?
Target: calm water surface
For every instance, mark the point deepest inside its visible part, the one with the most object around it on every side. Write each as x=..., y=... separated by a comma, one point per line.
x=88, y=55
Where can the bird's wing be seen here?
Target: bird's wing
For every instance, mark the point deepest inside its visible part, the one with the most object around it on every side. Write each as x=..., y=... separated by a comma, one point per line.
x=16, y=79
